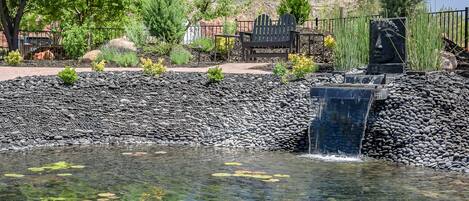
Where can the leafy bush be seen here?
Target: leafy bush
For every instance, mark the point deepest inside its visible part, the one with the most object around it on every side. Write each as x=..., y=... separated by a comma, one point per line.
x=159, y=47
x=14, y=58
x=301, y=9
x=150, y=68
x=215, y=74
x=329, y=41
x=137, y=33
x=398, y=8
x=98, y=67
x=74, y=41
x=68, y=75
x=165, y=19
x=180, y=56
x=229, y=27
x=223, y=47
x=205, y=44
x=302, y=65
x=280, y=70
x=120, y=58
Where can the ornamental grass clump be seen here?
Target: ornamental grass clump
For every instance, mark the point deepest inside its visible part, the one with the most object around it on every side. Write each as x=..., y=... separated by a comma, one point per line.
x=179, y=56
x=215, y=74
x=153, y=69
x=203, y=44
x=14, y=58
x=98, y=67
x=68, y=75
x=302, y=65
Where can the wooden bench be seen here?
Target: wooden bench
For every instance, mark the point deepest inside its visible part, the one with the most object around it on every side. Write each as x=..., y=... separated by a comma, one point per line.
x=266, y=35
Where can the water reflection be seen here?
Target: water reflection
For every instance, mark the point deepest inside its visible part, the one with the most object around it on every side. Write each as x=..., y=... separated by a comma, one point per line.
x=175, y=173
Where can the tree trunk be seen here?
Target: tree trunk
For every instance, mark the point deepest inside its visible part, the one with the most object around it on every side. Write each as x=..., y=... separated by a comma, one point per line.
x=11, y=25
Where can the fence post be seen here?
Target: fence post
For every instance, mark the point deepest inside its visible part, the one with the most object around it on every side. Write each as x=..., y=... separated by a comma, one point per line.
x=316, y=21
x=466, y=33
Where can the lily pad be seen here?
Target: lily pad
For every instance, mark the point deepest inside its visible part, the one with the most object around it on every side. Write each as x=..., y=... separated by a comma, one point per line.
x=62, y=165
x=233, y=164
x=106, y=195
x=64, y=175
x=13, y=175
x=271, y=180
x=77, y=166
x=55, y=199
x=260, y=176
x=36, y=169
x=222, y=174
x=282, y=175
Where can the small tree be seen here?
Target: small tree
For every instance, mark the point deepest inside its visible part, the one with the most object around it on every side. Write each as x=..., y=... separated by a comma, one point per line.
x=301, y=9
x=399, y=8
x=11, y=13
x=165, y=19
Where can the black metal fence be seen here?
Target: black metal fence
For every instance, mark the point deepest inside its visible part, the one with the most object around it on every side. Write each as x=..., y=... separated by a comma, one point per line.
x=454, y=23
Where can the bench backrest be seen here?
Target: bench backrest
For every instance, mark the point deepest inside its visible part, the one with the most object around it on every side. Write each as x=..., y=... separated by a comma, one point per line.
x=265, y=31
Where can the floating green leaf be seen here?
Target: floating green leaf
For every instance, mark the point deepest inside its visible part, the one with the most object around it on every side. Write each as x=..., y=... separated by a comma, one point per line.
x=233, y=164
x=64, y=175
x=77, y=166
x=271, y=180
x=62, y=165
x=261, y=176
x=13, y=175
x=36, y=169
x=222, y=174
x=107, y=195
x=282, y=175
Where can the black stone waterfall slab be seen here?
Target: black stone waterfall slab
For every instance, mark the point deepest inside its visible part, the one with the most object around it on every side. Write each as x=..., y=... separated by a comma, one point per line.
x=339, y=126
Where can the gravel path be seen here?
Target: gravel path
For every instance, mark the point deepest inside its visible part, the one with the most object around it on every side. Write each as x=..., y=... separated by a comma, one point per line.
x=7, y=73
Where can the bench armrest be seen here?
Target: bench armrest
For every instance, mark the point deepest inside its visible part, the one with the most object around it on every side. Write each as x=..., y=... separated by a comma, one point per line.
x=243, y=35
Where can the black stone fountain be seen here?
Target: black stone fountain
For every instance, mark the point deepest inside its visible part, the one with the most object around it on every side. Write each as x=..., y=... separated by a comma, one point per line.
x=339, y=127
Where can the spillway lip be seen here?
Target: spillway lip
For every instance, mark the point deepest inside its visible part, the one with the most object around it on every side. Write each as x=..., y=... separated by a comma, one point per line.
x=333, y=158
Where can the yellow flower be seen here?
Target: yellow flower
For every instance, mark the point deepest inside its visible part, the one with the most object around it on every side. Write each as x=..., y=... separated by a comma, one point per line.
x=329, y=42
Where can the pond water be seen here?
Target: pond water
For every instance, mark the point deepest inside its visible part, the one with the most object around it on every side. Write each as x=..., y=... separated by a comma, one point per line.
x=181, y=173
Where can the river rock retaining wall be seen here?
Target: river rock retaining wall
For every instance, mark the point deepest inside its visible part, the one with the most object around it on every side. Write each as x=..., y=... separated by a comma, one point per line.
x=425, y=122
x=253, y=111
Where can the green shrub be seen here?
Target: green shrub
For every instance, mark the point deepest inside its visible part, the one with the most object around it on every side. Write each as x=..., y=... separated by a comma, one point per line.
x=137, y=33
x=229, y=27
x=280, y=70
x=223, y=47
x=13, y=58
x=302, y=65
x=74, y=41
x=160, y=48
x=215, y=74
x=165, y=19
x=68, y=75
x=98, y=67
x=180, y=56
x=301, y=9
x=205, y=44
x=120, y=58
x=152, y=69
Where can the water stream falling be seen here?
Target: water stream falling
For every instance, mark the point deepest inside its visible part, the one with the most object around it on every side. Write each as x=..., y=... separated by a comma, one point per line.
x=339, y=126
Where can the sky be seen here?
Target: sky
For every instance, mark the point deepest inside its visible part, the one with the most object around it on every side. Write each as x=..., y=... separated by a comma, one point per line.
x=437, y=5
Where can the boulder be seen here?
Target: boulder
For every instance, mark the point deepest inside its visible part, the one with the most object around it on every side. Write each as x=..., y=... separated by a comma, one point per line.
x=46, y=55
x=122, y=44
x=91, y=56
x=449, y=61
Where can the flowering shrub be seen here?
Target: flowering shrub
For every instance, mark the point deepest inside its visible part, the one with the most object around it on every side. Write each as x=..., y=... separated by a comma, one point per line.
x=14, y=58
x=224, y=45
x=153, y=69
x=329, y=42
x=98, y=67
x=215, y=74
x=302, y=65
x=68, y=75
